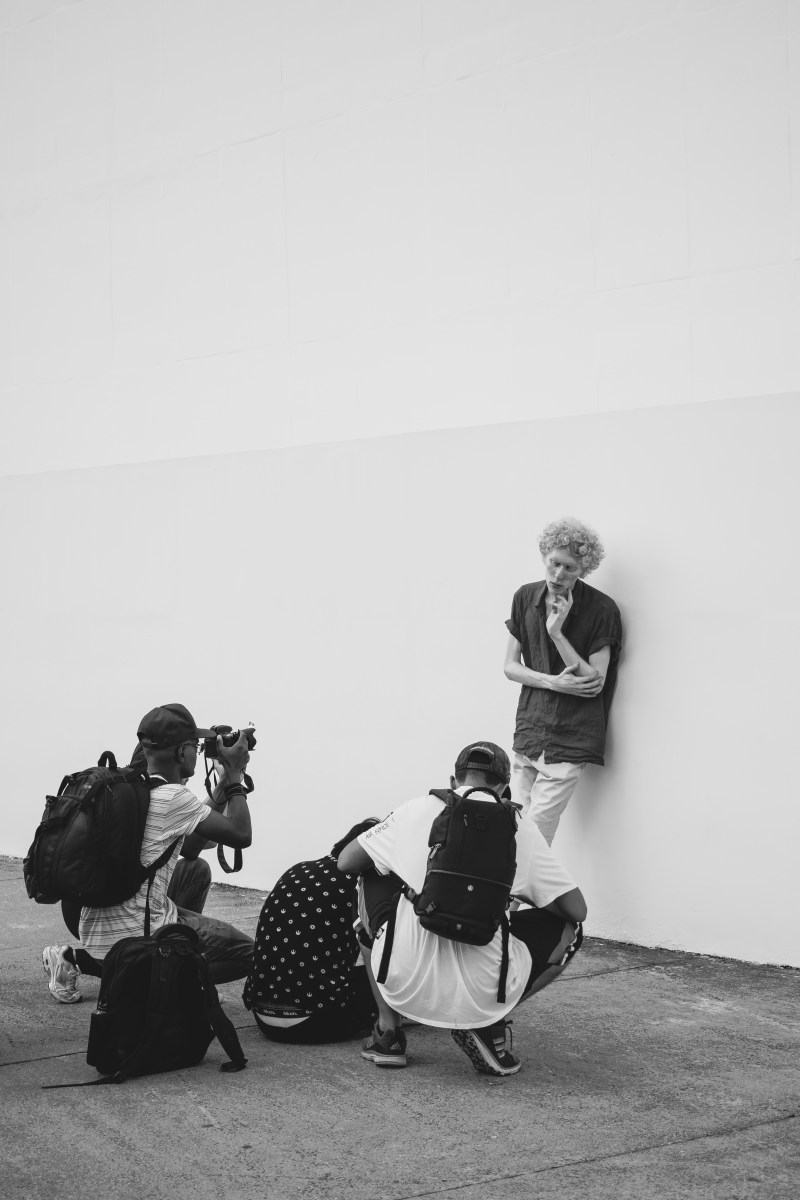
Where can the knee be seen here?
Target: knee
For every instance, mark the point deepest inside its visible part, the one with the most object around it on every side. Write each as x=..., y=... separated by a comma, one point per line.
x=201, y=871
x=192, y=872
x=190, y=884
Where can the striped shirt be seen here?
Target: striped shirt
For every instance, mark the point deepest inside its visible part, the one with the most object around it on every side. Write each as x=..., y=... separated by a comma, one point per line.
x=174, y=812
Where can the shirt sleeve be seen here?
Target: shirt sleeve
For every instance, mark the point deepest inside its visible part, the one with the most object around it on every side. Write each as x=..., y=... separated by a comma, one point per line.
x=186, y=811
x=540, y=878
x=606, y=631
x=514, y=622
x=379, y=843
x=400, y=843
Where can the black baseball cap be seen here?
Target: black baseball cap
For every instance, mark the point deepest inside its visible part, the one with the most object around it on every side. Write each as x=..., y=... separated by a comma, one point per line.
x=484, y=756
x=169, y=725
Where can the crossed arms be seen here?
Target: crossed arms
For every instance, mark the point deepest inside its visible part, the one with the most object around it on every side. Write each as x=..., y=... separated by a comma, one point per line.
x=579, y=677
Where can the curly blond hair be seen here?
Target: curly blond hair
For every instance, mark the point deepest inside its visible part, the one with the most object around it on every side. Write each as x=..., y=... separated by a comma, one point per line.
x=575, y=537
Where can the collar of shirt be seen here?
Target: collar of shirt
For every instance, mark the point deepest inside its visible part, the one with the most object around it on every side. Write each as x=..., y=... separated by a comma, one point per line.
x=540, y=595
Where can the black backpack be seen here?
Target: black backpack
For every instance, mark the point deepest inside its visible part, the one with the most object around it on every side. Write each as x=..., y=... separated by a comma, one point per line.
x=88, y=843
x=470, y=873
x=157, y=1009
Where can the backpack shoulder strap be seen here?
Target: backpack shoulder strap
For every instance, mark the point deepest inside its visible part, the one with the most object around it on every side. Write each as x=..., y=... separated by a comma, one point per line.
x=161, y=861
x=501, y=984
x=152, y=871
x=446, y=795
x=388, y=942
x=222, y=1025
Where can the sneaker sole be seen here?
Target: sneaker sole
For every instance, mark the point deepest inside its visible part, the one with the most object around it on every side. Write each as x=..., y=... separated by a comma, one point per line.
x=478, y=1055
x=384, y=1060
x=70, y=998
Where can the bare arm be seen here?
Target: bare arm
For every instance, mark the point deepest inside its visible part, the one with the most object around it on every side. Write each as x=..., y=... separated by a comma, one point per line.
x=193, y=843
x=593, y=672
x=354, y=858
x=591, y=675
x=193, y=846
x=571, y=905
x=597, y=666
x=567, y=681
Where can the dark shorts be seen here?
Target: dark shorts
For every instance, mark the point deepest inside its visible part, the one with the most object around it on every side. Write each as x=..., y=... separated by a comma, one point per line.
x=551, y=940
x=353, y=1018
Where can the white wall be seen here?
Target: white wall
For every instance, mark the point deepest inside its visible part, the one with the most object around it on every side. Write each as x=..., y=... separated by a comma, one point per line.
x=331, y=219
x=305, y=305
x=353, y=606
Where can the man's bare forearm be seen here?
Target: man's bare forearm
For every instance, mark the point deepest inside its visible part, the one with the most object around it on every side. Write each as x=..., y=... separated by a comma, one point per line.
x=571, y=658
x=519, y=673
x=217, y=803
x=566, y=683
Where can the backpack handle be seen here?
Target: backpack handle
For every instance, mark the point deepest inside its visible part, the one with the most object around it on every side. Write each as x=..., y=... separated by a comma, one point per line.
x=447, y=795
x=485, y=790
x=107, y=760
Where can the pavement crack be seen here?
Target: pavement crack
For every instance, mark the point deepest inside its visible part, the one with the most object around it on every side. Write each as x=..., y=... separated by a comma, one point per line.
x=609, y=971
x=726, y=1131
x=245, y=1027
x=24, y=1062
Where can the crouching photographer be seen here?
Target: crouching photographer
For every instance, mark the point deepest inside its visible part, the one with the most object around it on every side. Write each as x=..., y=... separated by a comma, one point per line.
x=170, y=742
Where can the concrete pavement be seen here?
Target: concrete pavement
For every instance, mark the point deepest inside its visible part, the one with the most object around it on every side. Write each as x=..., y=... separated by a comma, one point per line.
x=646, y=1073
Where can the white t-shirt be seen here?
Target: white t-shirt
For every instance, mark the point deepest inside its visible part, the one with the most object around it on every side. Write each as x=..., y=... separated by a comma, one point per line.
x=174, y=812
x=432, y=979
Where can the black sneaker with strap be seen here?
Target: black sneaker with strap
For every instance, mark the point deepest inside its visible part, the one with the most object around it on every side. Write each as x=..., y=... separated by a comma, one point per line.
x=486, y=1048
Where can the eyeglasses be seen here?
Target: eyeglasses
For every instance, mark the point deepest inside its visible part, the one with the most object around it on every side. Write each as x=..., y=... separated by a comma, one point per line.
x=197, y=745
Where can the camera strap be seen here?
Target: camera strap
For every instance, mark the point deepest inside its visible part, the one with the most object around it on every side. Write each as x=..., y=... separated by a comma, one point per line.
x=247, y=786
x=223, y=862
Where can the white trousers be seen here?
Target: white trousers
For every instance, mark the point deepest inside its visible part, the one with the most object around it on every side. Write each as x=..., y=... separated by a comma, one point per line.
x=543, y=790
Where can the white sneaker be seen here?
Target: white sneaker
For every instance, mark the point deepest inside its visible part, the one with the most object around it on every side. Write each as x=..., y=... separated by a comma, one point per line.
x=62, y=975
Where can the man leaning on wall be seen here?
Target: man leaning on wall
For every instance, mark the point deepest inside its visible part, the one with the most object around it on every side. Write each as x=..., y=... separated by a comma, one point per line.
x=563, y=646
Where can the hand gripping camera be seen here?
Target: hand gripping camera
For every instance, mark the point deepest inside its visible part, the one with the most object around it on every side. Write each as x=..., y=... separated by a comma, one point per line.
x=230, y=737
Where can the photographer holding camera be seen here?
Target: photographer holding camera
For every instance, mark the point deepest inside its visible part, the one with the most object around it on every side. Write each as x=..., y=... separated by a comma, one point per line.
x=171, y=741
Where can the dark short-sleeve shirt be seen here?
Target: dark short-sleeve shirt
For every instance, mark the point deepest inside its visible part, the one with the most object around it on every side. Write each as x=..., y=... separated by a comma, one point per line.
x=562, y=727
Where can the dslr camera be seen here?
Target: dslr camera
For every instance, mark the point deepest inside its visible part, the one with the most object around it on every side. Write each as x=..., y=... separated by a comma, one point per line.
x=229, y=738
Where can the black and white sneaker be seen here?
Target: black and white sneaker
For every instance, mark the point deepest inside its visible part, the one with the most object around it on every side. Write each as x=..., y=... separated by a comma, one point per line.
x=386, y=1049
x=486, y=1048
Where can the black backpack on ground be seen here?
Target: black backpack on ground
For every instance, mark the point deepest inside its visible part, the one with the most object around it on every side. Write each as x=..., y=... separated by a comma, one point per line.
x=87, y=846
x=470, y=872
x=157, y=1009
